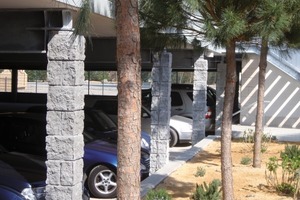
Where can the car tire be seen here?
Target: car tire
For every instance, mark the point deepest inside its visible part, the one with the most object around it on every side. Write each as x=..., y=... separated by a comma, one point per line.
x=102, y=182
x=173, y=138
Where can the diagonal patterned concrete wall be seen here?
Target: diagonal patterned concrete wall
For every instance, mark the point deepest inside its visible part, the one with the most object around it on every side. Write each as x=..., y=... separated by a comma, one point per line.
x=282, y=94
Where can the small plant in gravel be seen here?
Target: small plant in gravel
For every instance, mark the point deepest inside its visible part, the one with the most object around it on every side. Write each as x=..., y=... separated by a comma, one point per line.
x=248, y=138
x=289, y=183
x=246, y=160
x=208, y=192
x=158, y=194
x=200, y=172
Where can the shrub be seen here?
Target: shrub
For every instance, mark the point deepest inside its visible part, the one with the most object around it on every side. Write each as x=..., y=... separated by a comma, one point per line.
x=158, y=194
x=200, y=172
x=208, y=192
x=290, y=171
x=246, y=160
x=248, y=138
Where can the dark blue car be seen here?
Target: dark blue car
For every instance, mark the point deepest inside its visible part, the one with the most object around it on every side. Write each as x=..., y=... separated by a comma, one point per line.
x=100, y=157
x=23, y=176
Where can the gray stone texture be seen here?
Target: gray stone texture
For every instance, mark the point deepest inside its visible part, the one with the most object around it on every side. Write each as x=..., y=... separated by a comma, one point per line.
x=60, y=122
x=199, y=103
x=64, y=192
x=160, y=111
x=65, y=98
x=65, y=103
x=64, y=147
x=71, y=74
x=66, y=47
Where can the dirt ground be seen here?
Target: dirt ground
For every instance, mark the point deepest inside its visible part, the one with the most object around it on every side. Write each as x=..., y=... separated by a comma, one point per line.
x=249, y=182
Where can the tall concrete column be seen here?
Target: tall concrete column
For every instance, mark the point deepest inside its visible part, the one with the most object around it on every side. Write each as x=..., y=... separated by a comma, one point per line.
x=199, y=103
x=65, y=103
x=160, y=111
x=220, y=93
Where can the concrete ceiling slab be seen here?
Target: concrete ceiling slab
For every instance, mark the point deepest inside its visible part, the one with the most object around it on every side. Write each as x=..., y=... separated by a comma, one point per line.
x=101, y=26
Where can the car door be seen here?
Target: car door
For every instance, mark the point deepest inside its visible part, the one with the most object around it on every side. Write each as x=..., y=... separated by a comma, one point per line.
x=177, y=104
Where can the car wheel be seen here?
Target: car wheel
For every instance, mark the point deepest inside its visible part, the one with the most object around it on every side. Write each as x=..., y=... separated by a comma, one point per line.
x=102, y=182
x=173, y=138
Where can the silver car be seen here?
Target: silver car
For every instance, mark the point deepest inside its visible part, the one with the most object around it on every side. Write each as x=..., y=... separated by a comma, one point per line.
x=181, y=128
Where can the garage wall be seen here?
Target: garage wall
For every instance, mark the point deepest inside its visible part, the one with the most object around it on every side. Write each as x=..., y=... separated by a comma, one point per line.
x=282, y=95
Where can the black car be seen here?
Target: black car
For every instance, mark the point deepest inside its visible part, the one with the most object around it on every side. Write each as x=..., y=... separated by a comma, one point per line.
x=25, y=132
x=23, y=176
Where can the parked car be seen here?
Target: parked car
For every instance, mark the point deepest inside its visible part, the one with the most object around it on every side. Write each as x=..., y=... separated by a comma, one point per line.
x=182, y=103
x=181, y=128
x=25, y=132
x=99, y=124
x=23, y=177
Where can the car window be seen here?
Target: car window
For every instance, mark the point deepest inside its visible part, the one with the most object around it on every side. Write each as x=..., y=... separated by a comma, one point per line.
x=98, y=120
x=176, y=99
x=190, y=95
x=25, y=135
x=110, y=107
x=209, y=99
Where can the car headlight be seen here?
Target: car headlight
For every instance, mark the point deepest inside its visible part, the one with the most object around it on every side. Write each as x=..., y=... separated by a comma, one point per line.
x=145, y=144
x=145, y=155
x=39, y=192
x=28, y=194
x=143, y=167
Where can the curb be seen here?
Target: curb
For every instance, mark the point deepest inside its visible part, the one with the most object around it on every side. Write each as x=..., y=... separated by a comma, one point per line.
x=154, y=179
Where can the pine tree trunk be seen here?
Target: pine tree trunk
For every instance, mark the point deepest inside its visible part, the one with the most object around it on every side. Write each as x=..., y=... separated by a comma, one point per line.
x=129, y=99
x=260, y=105
x=226, y=159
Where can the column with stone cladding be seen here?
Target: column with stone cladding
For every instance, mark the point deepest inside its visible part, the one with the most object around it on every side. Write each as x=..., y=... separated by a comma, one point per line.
x=199, y=102
x=220, y=93
x=65, y=103
x=160, y=111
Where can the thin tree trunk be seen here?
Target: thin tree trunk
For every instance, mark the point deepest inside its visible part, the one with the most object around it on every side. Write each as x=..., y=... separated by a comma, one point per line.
x=226, y=159
x=260, y=105
x=129, y=99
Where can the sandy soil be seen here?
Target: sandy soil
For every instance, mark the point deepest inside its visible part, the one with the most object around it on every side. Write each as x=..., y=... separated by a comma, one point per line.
x=249, y=182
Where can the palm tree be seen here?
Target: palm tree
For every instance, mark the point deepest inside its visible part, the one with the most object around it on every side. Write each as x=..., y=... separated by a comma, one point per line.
x=129, y=99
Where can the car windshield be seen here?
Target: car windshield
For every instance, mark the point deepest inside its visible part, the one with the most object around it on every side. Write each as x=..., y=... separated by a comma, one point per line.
x=98, y=120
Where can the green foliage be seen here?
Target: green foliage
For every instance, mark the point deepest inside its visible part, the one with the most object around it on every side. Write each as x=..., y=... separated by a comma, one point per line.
x=276, y=20
x=208, y=192
x=83, y=22
x=96, y=75
x=200, y=172
x=36, y=75
x=248, y=138
x=285, y=188
x=289, y=168
x=246, y=160
x=182, y=77
x=158, y=194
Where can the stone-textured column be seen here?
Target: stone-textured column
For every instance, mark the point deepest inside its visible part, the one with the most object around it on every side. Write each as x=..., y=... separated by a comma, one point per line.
x=160, y=111
x=65, y=103
x=199, y=103
x=220, y=92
